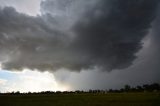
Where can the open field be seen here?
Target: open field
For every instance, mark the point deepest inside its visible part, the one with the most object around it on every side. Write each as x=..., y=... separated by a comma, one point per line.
x=110, y=99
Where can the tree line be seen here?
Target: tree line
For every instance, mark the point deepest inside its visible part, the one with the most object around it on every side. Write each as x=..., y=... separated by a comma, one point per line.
x=155, y=87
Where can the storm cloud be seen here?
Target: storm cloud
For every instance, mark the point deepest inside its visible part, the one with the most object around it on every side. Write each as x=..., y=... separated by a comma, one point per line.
x=75, y=34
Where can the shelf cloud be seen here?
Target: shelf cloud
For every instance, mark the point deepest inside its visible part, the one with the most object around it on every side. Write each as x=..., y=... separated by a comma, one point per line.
x=75, y=34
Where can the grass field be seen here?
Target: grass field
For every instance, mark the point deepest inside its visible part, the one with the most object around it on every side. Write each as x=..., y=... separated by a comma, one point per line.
x=110, y=99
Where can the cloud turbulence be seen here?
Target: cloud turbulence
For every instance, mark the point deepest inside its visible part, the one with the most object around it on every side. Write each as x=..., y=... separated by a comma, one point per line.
x=75, y=34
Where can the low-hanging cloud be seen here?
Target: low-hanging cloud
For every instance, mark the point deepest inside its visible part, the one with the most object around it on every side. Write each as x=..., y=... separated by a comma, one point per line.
x=75, y=34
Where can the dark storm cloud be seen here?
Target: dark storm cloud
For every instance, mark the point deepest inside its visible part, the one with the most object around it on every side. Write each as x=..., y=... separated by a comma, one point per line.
x=75, y=34
x=111, y=35
x=28, y=42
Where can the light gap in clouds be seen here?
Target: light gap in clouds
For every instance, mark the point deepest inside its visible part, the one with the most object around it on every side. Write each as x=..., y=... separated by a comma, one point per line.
x=29, y=7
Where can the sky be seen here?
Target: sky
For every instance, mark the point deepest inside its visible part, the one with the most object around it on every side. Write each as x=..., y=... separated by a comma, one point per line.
x=78, y=44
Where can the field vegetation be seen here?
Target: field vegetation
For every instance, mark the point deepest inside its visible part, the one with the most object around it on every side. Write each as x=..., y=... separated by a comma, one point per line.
x=139, y=96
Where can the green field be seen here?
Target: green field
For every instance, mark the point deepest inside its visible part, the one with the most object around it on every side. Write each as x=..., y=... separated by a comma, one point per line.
x=110, y=99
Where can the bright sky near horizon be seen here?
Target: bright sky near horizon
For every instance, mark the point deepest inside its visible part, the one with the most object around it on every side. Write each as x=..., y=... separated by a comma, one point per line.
x=27, y=80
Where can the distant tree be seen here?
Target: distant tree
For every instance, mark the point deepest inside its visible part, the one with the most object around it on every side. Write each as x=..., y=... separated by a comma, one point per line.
x=29, y=92
x=90, y=91
x=155, y=86
x=127, y=88
x=122, y=90
x=77, y=91
x=17, y=92
x=58, y=92
x=110, y=90
x=146, y=87
x=139, y=88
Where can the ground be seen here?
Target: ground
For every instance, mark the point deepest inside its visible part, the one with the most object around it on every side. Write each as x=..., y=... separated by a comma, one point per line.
x=83, y=99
